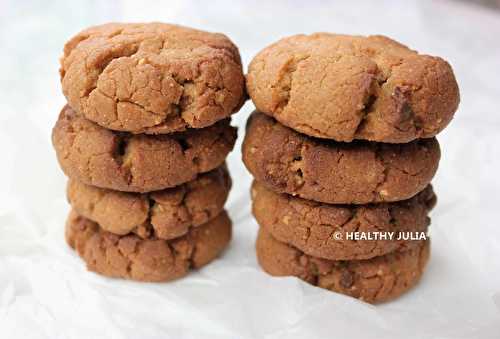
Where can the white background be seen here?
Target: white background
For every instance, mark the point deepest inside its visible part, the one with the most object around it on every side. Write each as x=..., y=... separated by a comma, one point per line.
x=45, y=291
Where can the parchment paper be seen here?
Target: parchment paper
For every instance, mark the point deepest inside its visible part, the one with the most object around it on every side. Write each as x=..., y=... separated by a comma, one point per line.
x=45, y=290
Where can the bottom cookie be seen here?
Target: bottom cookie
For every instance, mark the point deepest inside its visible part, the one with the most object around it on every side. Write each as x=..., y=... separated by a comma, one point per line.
x=153, y=260
x=373, y=280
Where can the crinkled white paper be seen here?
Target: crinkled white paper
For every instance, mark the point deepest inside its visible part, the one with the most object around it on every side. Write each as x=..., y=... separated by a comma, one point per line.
x=45, y=290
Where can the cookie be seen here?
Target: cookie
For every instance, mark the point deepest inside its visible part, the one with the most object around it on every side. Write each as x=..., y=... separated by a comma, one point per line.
x=359, y=172
x=165, y=214
x=152, y=78
x=154, y=260
x=326, y=231
x=121, y=161
x=344, y=87
x=373, y=280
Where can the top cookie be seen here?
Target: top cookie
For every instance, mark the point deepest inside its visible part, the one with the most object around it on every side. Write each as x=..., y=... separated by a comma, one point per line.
x=352, y=87
x=152, y=78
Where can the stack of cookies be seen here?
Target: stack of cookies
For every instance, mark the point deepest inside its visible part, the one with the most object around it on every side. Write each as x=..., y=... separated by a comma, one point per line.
x=143, y=140
x=342, y=150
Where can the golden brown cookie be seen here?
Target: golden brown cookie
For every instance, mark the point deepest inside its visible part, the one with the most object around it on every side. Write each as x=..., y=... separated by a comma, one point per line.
x=121, y=161
x=344, y=87
x=326, y=231
x=326, y=171
x=373, y=280
x=165, y=214
x=131, y=257
x=152, y=78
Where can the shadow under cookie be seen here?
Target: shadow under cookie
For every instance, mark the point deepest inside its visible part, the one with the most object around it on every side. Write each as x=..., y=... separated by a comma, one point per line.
x=333, y=172
x=373, y=280
x=152, y=260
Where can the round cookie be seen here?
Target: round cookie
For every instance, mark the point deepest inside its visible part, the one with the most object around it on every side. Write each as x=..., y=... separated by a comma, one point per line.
x=338, y=173
x=323, y=230
x=154, y=260
x=344, y=87
x=166, y=214
x=100, y=157
x=373, y=280
x=152, y=77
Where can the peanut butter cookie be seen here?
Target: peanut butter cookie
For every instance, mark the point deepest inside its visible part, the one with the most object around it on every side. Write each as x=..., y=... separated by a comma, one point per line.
x=332, y=172
x=326, y=231
x=344, y=87
x=166, y=214
x=131, y=257
x=152, y=77
x=121, y=161
x=373, y=280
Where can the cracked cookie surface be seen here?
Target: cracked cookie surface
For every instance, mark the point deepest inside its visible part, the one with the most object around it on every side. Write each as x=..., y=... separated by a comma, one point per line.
x=353, y=87
x=121, y=161
x=152, y=77
x=314, y=228
x=373, y=280
x=154, y=260
x=165, y=214
x=359, y=172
